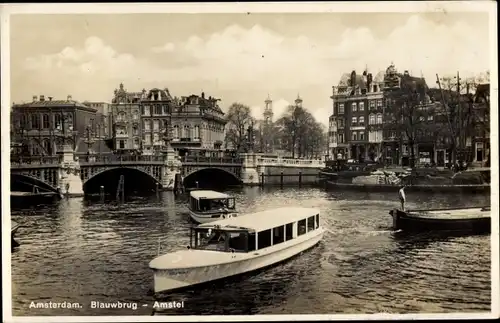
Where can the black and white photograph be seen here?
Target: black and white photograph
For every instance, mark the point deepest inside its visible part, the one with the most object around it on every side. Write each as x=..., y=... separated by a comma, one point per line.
x=249, y=161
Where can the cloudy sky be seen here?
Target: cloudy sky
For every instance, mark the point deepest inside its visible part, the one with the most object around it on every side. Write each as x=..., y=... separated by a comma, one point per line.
x=238, y=57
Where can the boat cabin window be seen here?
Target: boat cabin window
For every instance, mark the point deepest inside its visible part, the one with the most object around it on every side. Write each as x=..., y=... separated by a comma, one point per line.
x=264, y=239
x=278, y=234
x=317, y=221
x=238, y=241
x=218, y=240
x=301, y=229
x=289, y=231
x=310, y=223
x=251, y=241
x=215, y=204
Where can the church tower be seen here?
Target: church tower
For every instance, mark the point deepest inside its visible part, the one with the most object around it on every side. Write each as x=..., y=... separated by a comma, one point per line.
x=268, y=111
x=298, y=101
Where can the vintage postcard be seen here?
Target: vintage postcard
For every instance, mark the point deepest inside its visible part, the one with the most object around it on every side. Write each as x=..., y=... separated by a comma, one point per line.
x=249, y=161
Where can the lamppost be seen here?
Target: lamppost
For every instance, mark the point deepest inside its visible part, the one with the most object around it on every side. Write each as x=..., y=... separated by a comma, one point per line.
x=89, y=138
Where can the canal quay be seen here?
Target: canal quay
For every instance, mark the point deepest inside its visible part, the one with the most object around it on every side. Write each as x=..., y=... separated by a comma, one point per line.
x=83, y=250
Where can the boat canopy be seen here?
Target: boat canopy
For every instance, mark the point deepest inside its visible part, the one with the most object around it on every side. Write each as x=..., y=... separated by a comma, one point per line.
x=206, y=194
x=263, y=220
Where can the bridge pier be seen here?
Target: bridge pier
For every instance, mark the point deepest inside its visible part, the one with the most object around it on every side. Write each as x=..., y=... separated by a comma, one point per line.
x=171, y=167
x=249, y=169
x=70, y=182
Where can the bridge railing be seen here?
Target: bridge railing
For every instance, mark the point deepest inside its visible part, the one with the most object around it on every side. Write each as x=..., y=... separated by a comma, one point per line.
x=211, y=160
x=266, y=161
x=113, y=159
x=35, y=160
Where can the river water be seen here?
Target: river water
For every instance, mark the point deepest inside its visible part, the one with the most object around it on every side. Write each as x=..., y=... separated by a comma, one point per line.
x=82, y=251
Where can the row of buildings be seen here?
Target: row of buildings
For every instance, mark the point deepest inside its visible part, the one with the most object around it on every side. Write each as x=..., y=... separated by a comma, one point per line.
x=369, y=122
x=134, y=122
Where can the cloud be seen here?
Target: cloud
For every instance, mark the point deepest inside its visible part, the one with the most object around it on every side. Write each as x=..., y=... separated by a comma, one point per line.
x=252, y=62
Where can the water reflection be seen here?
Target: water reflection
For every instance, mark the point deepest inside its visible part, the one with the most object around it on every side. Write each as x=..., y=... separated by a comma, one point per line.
x=82, y=250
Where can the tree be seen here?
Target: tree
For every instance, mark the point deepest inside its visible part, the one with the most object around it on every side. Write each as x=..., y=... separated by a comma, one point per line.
x=408, y=111
x=238, y=120
x=300, y=133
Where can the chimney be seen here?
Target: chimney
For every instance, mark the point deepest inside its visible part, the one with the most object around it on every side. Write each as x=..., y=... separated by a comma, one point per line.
x=42, y=97
x=50, y=98
x=69, y=98
x=35, y=98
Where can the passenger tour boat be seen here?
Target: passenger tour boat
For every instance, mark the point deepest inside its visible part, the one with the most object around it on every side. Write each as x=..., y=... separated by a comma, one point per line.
x=235, y=246
x=207, y=206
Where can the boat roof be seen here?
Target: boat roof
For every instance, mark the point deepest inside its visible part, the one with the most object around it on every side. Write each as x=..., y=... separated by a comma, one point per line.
x=207, y=194
x=263, y=220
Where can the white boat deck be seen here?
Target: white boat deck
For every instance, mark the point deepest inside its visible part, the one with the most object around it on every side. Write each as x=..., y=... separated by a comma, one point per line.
x=471, y=213
x=208, y=194
x=265, y=219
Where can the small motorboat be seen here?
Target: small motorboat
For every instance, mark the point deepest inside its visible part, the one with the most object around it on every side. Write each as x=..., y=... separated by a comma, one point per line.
x=476, y=220
x=207, y=206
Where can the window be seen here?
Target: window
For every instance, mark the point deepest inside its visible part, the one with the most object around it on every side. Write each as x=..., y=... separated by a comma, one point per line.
x=136, y=143
x=156, y=138
x=372, y=119
x=197, y=132
x=379, y=103
x=341, y=138
x=354, y=136
x=361, y=135
x=122, y=144
x=371, y=103
x=176, y=132
x=251, y=241
x=379, y=118
x=57, y=121
x=341, y=108
x=289, y=231
x=278, y=235
x=185, y=133
x=35, y=121
x=317, y=221
x=121, y=116
x=422, y=118
x=264, y=239
x=361, y=106
x=146, y=110
x=147, y=124
x=135, y=131
x=158, y=109
x=156, y=124
x=165, y=109
x=361, y=121
x=430, y=118
x=301, y=228
x=354, y=120
x=135, y=115
x=354, y=107
x=45, y=121
x=341, y=123
x=310, y=223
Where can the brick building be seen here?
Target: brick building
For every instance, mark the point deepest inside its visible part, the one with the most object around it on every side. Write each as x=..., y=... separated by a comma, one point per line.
x=41, y=127
x=355, y=126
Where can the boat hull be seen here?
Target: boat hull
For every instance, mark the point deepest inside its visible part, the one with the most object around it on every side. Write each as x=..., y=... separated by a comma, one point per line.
x=205, y=218
x=411, y=223
x=473, y=188
x=174, y=280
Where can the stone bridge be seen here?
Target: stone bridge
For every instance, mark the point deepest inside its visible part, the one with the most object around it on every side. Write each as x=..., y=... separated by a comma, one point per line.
x=70, y=172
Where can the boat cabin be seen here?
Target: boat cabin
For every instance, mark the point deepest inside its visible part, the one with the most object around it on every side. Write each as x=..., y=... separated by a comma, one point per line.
x=201, y=201
x=256, y=231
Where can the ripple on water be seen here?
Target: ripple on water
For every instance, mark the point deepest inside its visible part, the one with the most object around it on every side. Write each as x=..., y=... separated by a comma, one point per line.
x=82, y=251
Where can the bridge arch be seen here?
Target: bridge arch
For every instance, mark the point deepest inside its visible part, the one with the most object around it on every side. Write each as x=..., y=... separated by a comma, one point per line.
x=24, y=182
x=211, y=177
x=109, y=178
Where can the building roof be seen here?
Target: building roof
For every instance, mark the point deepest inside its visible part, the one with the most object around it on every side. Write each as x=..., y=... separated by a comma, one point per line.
x=54, y=103
x=264, y=220
x=207, y=194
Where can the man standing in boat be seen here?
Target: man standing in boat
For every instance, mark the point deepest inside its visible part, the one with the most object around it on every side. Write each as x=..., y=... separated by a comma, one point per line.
x=402, y=197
